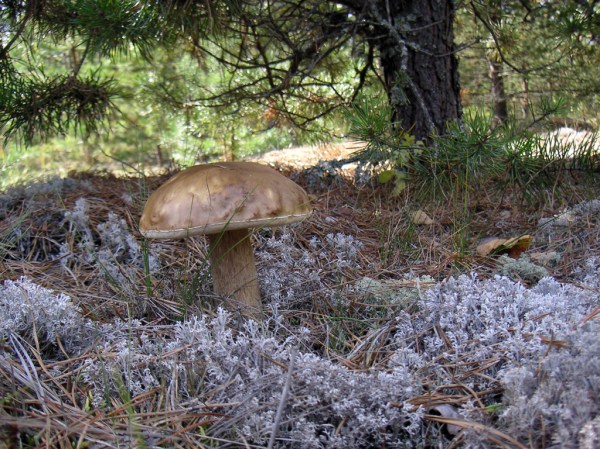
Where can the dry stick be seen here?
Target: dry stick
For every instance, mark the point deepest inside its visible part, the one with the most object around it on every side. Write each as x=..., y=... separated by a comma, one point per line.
x=284, y=395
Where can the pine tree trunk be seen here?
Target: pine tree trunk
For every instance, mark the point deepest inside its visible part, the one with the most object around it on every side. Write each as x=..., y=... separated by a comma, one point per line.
x=498, y=94
x=525, y=99
x=419, y=65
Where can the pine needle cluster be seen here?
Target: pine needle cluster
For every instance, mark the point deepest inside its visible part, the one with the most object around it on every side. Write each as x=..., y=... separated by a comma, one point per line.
x=34, y=104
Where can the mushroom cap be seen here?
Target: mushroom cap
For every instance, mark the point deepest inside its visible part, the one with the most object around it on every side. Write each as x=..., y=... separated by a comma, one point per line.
x=210, y=198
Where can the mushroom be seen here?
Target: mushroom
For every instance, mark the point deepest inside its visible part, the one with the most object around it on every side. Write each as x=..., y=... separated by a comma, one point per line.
x=224, y=201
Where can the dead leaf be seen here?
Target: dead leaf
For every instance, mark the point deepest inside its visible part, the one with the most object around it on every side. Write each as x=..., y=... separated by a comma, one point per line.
x=421, y=218
x=512, y=247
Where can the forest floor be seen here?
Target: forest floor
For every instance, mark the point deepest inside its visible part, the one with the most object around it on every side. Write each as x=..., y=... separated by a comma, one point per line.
x=47, y=230
x=392, y=242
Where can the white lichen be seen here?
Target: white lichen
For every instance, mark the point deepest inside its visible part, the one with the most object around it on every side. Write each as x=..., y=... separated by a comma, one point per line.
x=41, y=316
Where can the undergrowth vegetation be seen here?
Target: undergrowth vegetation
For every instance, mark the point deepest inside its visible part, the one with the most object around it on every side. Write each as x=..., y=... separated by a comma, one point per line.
x=525, y=160
x=379, y=331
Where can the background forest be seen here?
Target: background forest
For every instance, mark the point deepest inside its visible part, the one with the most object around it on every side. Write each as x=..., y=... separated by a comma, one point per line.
x=443, y=293
x=185, y=102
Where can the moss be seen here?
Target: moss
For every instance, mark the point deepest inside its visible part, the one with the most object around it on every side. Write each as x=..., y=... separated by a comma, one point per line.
x=521, y=269
x=401, y=294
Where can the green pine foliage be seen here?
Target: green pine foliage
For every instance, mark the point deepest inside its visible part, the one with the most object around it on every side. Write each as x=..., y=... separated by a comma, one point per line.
x=543, y=49
x=473, y=155
x=186, y=82
x=35, y=108
x=36, y=104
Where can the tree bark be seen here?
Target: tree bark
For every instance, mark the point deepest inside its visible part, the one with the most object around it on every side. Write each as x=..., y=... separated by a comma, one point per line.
x=498, y=93
x=418, y=62
x=525, y=98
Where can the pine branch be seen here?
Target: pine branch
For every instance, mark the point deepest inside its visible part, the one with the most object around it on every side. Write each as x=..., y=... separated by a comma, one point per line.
x=39, y=109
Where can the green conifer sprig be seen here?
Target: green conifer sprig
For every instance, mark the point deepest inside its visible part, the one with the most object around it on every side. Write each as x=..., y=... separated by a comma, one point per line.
x=34, y=105
x=42, y=108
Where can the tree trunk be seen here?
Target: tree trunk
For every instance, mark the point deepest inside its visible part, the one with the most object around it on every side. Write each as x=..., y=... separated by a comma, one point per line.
x=498, y=94
x=418, y=61
x=229, y=144
x=525, y=99
x=495, y=64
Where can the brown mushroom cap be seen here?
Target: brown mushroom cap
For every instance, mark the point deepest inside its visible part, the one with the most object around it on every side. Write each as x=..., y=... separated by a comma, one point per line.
x=210, y=198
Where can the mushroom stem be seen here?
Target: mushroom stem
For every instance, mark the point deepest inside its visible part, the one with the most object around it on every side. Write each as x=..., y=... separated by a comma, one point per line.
x=234, y=271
